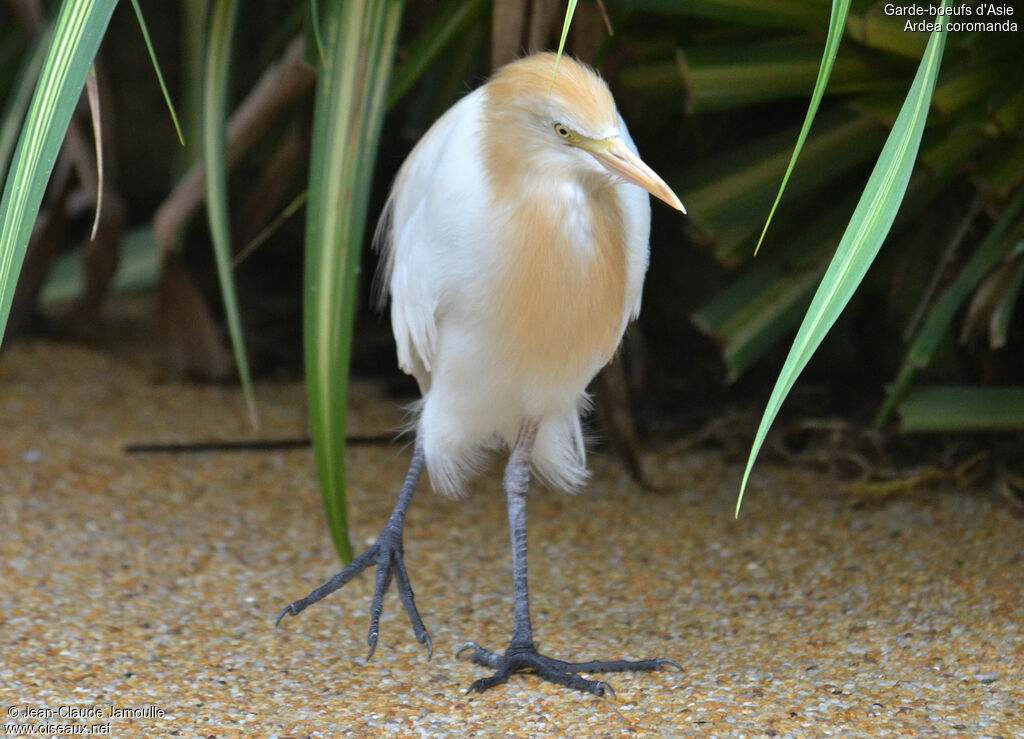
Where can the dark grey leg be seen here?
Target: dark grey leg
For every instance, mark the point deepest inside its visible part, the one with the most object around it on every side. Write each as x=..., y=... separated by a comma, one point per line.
x=522, y=655
x=517, y=485
x=388, y=554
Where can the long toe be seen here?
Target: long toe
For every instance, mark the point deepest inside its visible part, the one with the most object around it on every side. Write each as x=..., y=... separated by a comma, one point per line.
x=359, y=564
x=484, y=683
x=408, y=599
x=641, y=665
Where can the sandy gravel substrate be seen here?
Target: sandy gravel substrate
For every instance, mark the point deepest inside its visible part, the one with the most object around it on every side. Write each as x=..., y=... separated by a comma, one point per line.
x=151, y=582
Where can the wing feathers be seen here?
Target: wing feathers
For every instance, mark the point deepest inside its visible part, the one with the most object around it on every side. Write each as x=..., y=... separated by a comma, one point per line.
x=410, y=269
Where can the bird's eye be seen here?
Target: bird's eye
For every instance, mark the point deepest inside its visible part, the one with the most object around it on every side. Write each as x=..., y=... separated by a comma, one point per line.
x=561, y=130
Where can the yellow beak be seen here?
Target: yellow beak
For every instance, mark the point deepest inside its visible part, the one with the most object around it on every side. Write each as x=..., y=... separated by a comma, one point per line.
x=617, y=158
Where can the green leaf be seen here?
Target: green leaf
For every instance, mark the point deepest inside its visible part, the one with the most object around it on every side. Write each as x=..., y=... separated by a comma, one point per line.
x=214, y=152
x=962, y=409
x=863, y=237
x=76, y=37
x=359, y=48
x=156, y=68
x=840, y=8
x=570, y=10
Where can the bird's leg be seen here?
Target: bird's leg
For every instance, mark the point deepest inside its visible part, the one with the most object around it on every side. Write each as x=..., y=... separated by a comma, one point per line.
x=521, y=654
x=388, y=554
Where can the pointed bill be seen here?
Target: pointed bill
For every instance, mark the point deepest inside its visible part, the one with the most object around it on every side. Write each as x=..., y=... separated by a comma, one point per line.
x=618, y=158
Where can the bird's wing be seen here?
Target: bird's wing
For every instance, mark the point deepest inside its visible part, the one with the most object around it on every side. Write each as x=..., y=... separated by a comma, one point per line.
x=421, y=222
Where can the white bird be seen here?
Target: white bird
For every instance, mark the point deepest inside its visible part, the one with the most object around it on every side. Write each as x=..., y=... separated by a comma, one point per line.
x=515, y=242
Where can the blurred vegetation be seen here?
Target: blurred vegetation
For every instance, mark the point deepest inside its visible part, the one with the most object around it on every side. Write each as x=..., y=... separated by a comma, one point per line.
x=714, y=92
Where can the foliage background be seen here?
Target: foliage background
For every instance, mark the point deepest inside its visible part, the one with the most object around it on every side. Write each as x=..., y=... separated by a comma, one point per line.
x=714, y=93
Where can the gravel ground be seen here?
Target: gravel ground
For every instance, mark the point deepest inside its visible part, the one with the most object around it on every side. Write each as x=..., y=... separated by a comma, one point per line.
x=149, y=584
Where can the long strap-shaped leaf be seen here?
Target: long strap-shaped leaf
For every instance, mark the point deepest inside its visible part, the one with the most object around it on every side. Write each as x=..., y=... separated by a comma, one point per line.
x=570, y=11
x=156, y=68
x=359, y=46
x=76, y=37
x=836, y=24
x=863, y=237
x=215, y=170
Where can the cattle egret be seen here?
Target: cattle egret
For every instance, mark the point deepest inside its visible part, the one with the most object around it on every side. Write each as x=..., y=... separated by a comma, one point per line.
x=515, y=242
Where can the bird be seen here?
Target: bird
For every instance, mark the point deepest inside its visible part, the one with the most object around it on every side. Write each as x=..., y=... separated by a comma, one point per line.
x=514, y=245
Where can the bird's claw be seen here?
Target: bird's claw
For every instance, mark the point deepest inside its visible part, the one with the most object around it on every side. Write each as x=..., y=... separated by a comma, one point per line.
x=387, y=554
x=288, y=611
x=526, y=658
x=371, y=639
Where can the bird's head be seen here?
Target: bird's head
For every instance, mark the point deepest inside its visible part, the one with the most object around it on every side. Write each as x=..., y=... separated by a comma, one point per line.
x=566, y=122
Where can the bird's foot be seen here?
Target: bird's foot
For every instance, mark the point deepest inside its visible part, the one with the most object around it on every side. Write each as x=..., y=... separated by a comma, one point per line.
x=526, y=658
x=387, y=554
